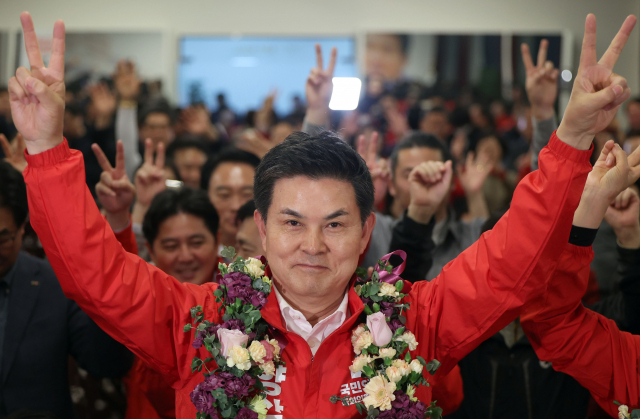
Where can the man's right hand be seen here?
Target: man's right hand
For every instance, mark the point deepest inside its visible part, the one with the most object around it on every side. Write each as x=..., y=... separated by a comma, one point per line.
x=541, y=83
x=37, y=95
x=319, y=88
x=429, y=184
x=597, y=92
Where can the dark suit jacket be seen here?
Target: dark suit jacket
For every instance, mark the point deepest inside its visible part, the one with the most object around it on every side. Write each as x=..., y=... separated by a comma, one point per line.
x=43, y=329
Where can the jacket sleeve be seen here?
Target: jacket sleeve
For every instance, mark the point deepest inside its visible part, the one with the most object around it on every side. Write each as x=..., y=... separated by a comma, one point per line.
x=127, y=239
x=580, y=342
x=133, y=301
x=484, y=288
x=415, y=239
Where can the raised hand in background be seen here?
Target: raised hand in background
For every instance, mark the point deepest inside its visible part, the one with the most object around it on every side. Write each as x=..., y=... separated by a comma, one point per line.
x=377, y=166
x=115, y=191
x=624, y=216
x=150, y=180
x=541, y=82
x=597, y=91
x=319, y=87
x=14, y=152
x=37, y=95
x=429, y=184
x=104, y=105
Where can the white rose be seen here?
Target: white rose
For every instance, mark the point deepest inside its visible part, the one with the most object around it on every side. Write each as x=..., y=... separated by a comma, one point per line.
x=254, y=267
x=416, y=366
x=359, y=362
x=394, y=374
x=388, y=290
x=410, y=339
x=239, y=357
x=401, y=365
x=257, y=352
x=363, y=341
x=387, y=353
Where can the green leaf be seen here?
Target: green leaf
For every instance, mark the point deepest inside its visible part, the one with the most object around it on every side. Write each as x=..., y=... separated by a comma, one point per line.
x=635, y=414
x=376, y=298
x=387, y=361
x=421, y=360
x=402, y=319
x=230, y=253
x=218, y=293
x=399, y=286
x=372, y=349
x=187, y=327
x=361, y=272
x=374, y=288
x=407, y=357
x=258, y=284
x=195, y=310
x=432, y=366
x=388, y=268
x=376, y=307
x=201, y=327
x=368, y=371
x=617, y=403
x=361, y=408
x=367, y=310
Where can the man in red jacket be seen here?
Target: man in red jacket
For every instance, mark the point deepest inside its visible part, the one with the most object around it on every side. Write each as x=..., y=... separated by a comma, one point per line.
x=314, y=197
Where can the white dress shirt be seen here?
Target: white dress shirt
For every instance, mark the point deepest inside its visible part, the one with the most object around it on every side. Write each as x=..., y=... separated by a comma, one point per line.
x=314, y=335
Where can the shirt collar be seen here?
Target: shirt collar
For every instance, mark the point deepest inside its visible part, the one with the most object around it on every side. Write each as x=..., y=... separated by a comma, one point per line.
x=292, y=316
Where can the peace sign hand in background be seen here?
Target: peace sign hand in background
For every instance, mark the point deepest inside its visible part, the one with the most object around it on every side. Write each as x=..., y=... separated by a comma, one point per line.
x=597, y=91
x=541, y=82
x=37, y=95
x=319, y=88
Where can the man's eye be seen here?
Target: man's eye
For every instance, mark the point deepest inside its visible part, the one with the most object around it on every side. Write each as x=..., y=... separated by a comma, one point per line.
x=335, y=225
x=293, y=223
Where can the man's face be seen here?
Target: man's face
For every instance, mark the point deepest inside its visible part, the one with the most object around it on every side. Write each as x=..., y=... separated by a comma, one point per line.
x=384, y=56
x=157, y=126
x=185, y=249
x=10, y=240
x=189, y=161
x=436, y=123
x=248, y=242
x=230, y=187
x=409, y=158
x=633, y=114
x=313, y=236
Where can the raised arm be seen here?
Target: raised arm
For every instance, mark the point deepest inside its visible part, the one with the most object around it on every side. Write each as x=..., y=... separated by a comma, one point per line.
x=134, y=302
x=485, y=288
x=318, y=93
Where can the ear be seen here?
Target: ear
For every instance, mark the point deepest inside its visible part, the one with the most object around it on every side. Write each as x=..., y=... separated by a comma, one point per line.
x=150, y=250
x=367, y=229
x=392, y=187
x=262, y=229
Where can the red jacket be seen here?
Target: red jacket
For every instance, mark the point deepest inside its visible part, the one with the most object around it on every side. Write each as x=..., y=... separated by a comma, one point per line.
x=579, y=342
x=474, y=297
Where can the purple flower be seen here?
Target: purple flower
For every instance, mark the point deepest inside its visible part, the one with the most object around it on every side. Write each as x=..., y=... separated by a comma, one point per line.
x=386, y=308
x=233, y=324
x=246, y=413
x=395, y=324
x=237, y=386
x=203, y=401
x=403, y=408
x=239, y=286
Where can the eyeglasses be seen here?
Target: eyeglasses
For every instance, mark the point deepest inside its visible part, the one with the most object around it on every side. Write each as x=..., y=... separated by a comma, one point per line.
x=6, y=241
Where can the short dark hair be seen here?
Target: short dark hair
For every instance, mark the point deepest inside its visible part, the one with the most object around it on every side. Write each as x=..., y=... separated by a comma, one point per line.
x=317, y=157
x=245, y=211
x=183, y=144
x=228, y=155
x=13, y=193
x=159, y=106
x=418, y=140
x=171, y=202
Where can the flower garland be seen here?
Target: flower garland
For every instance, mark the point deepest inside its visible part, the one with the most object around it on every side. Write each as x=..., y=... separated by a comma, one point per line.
x=240, y=345
x=380, y=344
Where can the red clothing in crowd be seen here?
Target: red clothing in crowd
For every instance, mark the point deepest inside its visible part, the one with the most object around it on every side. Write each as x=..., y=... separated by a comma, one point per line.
x=474, y=297
x=580, y=342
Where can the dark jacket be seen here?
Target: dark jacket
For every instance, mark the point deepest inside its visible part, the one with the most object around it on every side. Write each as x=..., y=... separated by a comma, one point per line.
x=43, y=329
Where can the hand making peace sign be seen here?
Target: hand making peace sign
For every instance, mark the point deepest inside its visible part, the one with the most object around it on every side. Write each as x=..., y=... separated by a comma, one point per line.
x=597, y=91
x=319, y=88
x=37, y=95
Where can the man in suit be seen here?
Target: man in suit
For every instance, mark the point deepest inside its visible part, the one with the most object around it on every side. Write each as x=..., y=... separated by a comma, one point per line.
x=39, y=326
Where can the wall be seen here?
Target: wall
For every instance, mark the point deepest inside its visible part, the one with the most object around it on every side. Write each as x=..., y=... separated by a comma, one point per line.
x=312, y=17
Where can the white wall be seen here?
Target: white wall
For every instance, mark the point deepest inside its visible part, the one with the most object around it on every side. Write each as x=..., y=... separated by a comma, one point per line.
x=312, y=17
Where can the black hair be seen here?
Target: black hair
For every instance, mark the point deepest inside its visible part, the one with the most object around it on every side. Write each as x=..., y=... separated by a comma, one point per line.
x=318, y=157
x=4, y=89
x=501, y=143
x=229, y=154
x=159, y=106
x=633, y=133
x=245, y=211
x=183, y=144
x=418, y=140
x=171, y=202
x=13, y=193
